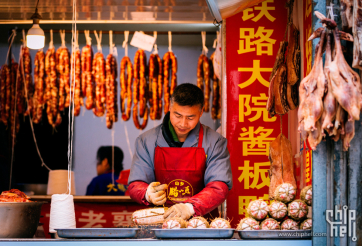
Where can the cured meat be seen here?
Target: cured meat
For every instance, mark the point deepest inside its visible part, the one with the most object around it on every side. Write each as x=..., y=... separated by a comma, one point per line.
x=277, y=210
x=198, y=222
x=87, y=77
x=311, y=91
x=281, y=164
x=277, y=101
x=203, y=79
x=51, y=89
x=28, y=80
x=111, y=91
x=174, y=223
x=297, y=210
x=126, y=80
x=279, y=59
x=99, y=75
x=216, y=97
x=317, y=34
x=220, y=223
x=346, y=13
x=169, y=63
x=258, y=209
x=357, y=34
x=329, y=102
x=270, y=224
x=293, y=56
x=139, y=90
x=248, y=224
x=155, y=78
x=289, y=224
x=14, y=116
x=345, y=83
x=5, y=94
x=349, y=134
x=76, y=80
x=292, y=96
x=39, y=73
x=148, y=216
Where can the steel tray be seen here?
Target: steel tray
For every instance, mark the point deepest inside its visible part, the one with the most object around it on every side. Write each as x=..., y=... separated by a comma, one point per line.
x=275, y=234
x=194, y=233
x=97, y=232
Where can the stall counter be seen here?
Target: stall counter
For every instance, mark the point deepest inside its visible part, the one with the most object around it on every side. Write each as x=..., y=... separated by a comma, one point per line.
x=154, y=242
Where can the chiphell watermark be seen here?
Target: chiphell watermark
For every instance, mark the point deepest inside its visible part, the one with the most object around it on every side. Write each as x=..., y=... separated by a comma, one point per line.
x=342, y=222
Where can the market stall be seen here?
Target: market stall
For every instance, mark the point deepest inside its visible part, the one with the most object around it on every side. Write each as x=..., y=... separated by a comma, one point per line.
x=106, y=75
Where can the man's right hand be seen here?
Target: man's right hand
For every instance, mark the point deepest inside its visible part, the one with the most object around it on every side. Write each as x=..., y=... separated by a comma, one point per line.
x=156, y=193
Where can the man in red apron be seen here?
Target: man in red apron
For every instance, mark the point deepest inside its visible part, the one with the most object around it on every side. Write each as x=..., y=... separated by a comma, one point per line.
x=181, y=163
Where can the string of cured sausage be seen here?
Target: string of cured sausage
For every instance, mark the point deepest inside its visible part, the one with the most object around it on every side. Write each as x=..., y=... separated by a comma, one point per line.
x=28, y=79
x=87, y=78
x=216, y=96
x=203, y=79
x=111, y=91
x=14, y=117
x=169, y=63
x=38, y=99
x=99, y=75
x=126, y=87
x=76, y=80
x=5, y=94
x=139, y=90
x=51, y=89
x=156, y=80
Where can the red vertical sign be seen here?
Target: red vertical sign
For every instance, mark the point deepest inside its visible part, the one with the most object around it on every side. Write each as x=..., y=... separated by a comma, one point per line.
x=307, y=61
x=252, y=42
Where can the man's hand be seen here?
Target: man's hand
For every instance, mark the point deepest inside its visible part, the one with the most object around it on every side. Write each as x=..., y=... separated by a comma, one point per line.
x=182, y=210
x=156, y=193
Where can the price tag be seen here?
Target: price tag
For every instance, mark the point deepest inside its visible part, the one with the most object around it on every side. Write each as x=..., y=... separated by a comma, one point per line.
x=143, y=41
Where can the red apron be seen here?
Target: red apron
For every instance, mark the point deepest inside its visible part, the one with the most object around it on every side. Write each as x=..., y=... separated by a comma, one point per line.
x=182, y=169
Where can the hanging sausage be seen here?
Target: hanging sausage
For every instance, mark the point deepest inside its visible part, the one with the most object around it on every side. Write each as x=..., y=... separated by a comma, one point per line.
x=139, y=90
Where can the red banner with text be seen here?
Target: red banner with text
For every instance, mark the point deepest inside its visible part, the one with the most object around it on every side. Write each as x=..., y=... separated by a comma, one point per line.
x=252, y=42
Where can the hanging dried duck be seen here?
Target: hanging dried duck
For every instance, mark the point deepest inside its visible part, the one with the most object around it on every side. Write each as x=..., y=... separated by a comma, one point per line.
x=357, y=34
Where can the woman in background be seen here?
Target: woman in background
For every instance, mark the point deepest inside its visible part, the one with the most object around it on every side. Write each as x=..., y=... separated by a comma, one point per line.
x=103, y=183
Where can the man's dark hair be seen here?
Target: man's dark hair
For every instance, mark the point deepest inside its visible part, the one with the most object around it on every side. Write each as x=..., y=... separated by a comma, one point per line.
x=188, y=95
x=106, y=152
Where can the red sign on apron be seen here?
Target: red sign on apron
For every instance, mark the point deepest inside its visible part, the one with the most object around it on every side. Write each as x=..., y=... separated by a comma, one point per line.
x=252, y=42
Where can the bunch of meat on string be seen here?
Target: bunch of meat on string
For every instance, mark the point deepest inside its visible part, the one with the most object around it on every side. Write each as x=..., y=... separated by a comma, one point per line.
x=14, y=195
x=311, y=92
x=345, y=86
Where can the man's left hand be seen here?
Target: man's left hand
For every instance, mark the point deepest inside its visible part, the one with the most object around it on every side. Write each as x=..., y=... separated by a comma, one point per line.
x=182, y=210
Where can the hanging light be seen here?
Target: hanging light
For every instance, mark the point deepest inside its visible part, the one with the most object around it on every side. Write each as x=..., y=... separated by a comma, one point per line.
x=35, y=38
